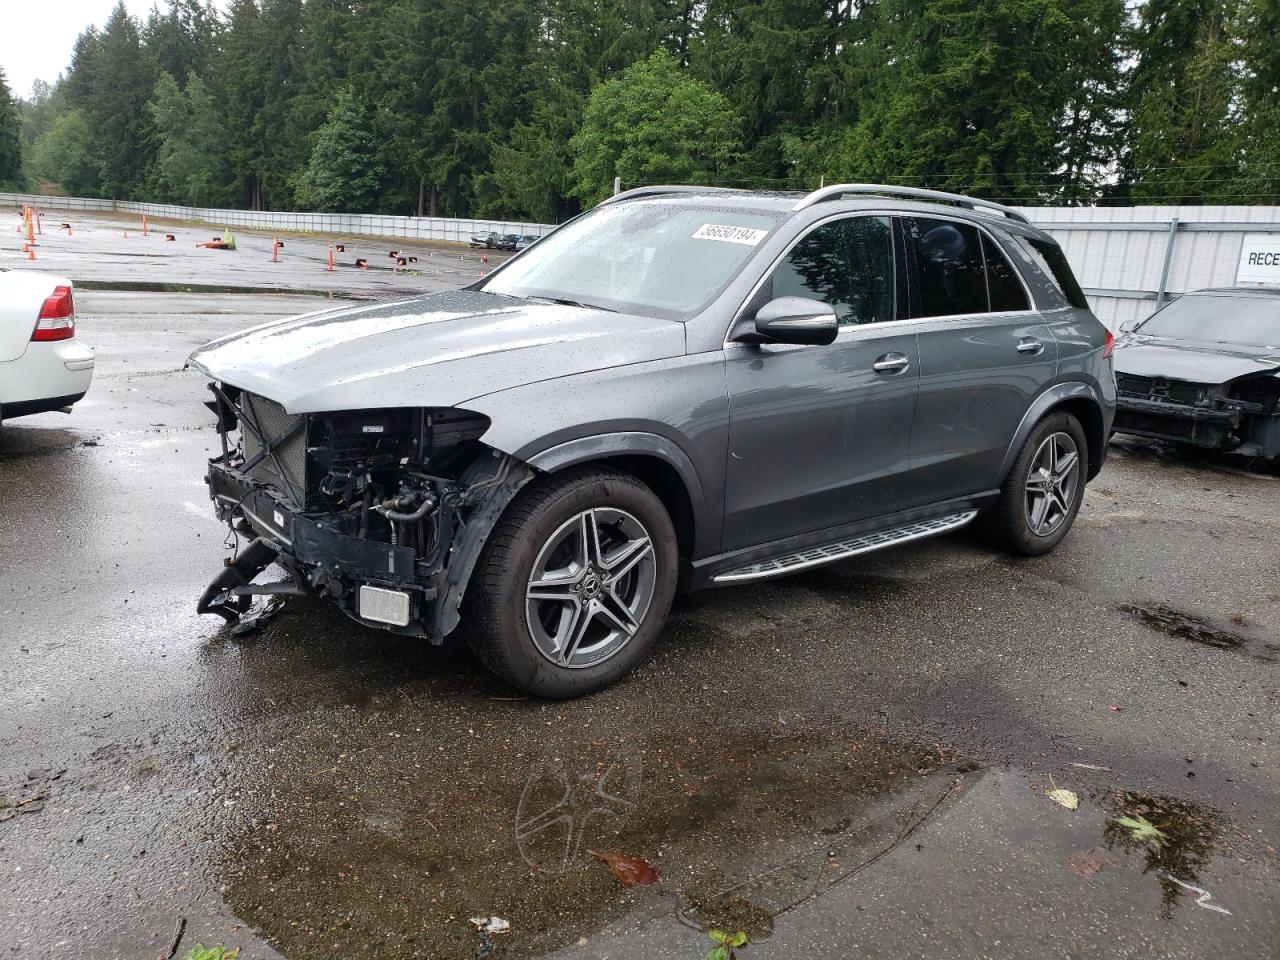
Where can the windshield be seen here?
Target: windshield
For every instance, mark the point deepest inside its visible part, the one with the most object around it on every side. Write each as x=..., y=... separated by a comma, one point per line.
x=643, y=256
x=1219, y=319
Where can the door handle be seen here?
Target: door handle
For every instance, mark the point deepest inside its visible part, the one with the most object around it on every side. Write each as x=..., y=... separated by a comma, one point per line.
x=891, y=363
x=1030, y=345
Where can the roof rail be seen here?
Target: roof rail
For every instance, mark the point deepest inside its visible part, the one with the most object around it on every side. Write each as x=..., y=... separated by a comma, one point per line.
x=655, y=190
x=837, y=190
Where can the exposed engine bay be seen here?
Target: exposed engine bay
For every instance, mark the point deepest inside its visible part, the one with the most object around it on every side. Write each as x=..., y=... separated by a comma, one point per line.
x=1240, y=416
x=382, y=511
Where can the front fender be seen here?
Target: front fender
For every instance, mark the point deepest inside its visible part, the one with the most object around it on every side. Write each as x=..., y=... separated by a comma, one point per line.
x=633, y=443
x=1058, y=393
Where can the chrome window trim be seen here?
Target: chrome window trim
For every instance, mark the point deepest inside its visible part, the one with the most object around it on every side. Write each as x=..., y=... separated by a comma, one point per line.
x=847, y=214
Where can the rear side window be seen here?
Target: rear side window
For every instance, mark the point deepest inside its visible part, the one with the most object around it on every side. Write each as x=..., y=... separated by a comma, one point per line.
x=949, y=266
x=846, y=263
x=1006, y=290
x=1053, y=264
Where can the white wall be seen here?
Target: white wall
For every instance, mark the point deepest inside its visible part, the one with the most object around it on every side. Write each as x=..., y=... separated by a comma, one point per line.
x=1118, y=253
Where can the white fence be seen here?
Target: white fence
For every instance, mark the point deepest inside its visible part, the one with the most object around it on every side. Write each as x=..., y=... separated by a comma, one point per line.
x=351, y=224
x=1128, y=259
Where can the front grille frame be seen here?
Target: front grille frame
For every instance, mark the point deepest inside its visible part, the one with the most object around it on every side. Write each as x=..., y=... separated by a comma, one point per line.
x=274, y=445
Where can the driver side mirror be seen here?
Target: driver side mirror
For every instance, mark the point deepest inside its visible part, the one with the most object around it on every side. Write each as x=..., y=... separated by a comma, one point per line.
x=793, y=320
x=1129, y=326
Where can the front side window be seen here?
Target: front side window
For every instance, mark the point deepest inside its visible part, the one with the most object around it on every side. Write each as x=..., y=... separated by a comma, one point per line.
x=846, y=263
x=649, y=257
x=949, y=266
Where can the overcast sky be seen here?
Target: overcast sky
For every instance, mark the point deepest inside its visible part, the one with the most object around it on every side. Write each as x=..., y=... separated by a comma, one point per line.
x=36, y=36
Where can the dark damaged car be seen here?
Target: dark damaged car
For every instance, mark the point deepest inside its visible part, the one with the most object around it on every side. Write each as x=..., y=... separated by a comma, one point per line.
x=682, y=388
x=1204, y=372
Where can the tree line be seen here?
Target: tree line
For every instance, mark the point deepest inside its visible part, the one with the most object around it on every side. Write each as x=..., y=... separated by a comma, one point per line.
x=530, y=108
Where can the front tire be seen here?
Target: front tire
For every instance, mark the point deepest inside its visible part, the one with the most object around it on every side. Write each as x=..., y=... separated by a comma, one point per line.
x=1043, y=491
x=574, y=584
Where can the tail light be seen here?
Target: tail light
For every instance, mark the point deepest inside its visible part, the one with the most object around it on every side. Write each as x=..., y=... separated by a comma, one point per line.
x=57, y=317
x=1109, y=349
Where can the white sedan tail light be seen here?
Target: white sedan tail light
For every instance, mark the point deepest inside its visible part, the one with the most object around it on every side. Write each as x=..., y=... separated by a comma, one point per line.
x=57, y=317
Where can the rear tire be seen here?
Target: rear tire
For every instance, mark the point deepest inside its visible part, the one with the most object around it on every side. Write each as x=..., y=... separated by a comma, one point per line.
x=574, y=585
x=1044, y=489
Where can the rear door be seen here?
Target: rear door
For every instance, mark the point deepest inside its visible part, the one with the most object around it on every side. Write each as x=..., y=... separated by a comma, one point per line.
x=984, y=355
x=820, y=435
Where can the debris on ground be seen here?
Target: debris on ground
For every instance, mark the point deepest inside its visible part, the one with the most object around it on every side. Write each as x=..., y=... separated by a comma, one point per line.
x=487, y=927
x=630, y=871
x=1085, y=863
x=258, y=616
x=1063, y=798
x=1205, y=895
x=178, y=930
x=201, y=952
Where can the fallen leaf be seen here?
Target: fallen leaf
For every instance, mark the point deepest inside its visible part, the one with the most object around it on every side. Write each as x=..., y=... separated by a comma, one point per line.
x=630, y=870
x=1142, y=830
x=1064, y=798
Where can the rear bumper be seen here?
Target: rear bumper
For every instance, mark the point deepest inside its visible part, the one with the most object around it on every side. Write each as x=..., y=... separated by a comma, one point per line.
x=48, y=376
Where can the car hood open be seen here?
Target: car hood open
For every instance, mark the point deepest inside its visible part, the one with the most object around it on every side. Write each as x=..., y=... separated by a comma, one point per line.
x=1196, y=361
x=438, y=350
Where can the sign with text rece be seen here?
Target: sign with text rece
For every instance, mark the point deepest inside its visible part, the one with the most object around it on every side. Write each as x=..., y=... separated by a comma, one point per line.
x=1259, y=259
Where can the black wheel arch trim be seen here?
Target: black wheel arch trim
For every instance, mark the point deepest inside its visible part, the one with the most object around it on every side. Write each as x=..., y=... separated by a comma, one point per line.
x=1055, y=396
x=634, y=443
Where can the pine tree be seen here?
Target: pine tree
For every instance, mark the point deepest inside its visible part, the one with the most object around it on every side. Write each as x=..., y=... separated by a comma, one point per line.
x=344, y=173
x=11, y=176
x=116, y=106
x=191, y=166
x=1184, y=134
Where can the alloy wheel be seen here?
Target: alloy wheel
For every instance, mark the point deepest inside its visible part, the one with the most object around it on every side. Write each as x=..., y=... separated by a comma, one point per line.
x=1051, y=483
x=591, y=587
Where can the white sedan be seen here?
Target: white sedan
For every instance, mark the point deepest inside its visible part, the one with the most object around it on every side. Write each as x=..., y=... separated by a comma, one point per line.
x=42, y=364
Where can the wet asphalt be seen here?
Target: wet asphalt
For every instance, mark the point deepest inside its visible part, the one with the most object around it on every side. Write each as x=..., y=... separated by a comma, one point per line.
x=854, y=761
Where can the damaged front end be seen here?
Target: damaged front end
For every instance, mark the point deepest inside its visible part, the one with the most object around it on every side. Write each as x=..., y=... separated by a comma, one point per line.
x=382, y=511
x=1239, y=416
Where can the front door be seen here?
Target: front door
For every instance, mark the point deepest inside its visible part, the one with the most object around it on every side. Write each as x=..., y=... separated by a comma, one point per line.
x=820, y=435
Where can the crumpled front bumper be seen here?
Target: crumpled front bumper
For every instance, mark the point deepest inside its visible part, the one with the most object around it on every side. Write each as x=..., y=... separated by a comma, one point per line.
x=1214, y=428
x=324, y=561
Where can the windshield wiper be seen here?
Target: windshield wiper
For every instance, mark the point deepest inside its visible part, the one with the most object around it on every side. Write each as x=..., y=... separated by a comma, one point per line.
x=566, y=302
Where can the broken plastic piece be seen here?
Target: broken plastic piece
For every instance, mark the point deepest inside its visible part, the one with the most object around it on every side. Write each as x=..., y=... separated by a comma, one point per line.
x=261, y=613
x=491, y=924
x=219, y=596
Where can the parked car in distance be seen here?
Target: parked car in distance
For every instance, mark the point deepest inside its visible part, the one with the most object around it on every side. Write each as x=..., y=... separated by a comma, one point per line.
x=1205, y=372
x=508, y=241
x=43, y=366
x=526, y=241
x=685, y=387
x=489, y=240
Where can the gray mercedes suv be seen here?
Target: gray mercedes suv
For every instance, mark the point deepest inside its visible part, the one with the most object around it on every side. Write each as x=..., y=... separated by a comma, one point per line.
x=684, y=387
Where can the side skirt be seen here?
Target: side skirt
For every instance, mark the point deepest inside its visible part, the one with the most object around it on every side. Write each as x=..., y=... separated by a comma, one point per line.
x=838, y=543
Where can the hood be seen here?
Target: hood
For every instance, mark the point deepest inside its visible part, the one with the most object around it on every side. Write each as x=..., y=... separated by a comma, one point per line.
x=439, y=350
x=1196, y=361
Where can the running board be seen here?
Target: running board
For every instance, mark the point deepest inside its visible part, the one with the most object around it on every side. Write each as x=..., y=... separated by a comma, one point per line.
x=830, y=552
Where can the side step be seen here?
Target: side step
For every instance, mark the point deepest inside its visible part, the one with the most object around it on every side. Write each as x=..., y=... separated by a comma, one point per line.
x=830, y=552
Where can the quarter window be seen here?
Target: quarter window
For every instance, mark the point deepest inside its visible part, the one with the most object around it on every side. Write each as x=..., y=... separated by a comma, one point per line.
x=1006, y=290
x=949, y=266
x=846, y=263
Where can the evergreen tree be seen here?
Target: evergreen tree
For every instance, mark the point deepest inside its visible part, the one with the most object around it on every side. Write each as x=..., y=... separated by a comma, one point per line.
x=652, y=123
x=116, y=105
x=1184, y=132
x=344, y=173
x=191, y=167
x=11, y=176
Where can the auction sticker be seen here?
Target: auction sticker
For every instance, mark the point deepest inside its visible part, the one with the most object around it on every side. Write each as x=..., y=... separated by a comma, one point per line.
x=719, y=231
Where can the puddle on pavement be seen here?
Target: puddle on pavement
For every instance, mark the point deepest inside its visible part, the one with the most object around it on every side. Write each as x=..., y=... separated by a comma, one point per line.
x=1188, y=835
x=1186, y=626
x=383, y=842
